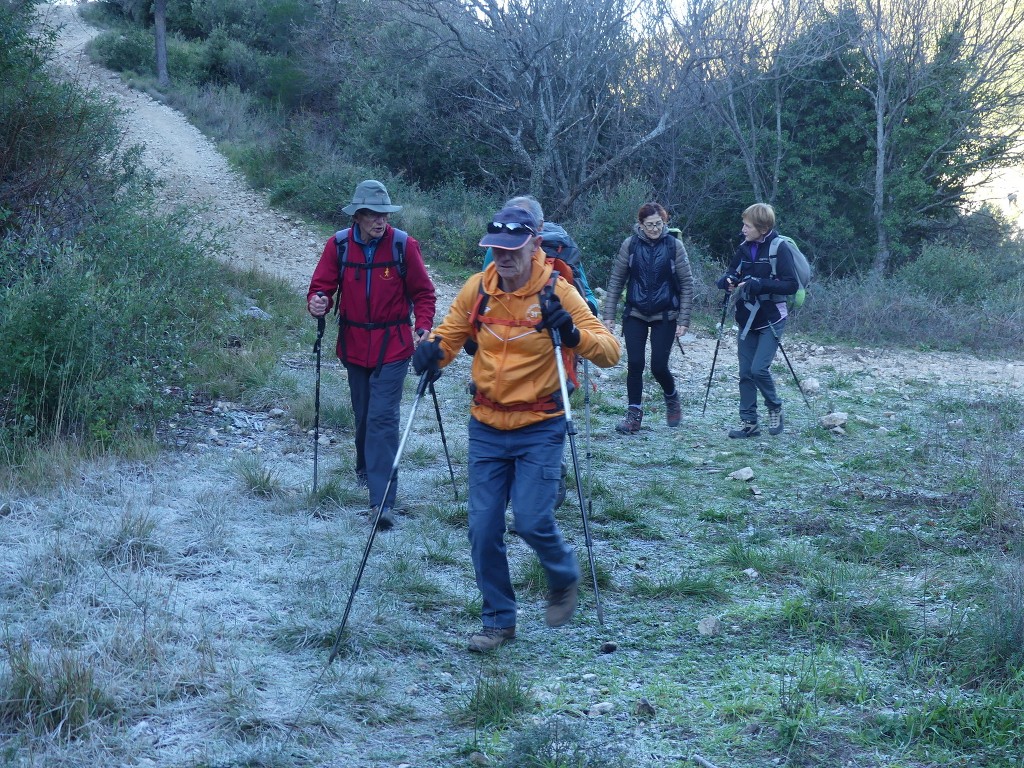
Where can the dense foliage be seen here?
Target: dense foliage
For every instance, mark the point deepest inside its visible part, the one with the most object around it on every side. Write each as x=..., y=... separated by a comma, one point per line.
x=867, y=153
x=104, y=301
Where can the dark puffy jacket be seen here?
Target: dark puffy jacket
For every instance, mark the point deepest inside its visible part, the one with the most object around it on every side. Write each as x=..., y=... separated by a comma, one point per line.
x=654, y=288
x=651, y=288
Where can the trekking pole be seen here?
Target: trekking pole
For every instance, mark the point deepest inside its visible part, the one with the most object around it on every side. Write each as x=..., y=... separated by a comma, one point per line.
x=714, y=358
x=420, y=389
x=680, y=345
x=570, y=428
x=444, y=442
x=321, y=324
x=782, y=349
x=586, y=423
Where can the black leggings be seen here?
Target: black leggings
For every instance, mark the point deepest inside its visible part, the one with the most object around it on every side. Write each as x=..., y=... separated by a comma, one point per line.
x=663, y=333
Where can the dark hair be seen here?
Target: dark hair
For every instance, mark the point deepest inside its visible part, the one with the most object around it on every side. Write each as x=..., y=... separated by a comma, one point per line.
x=651, y=209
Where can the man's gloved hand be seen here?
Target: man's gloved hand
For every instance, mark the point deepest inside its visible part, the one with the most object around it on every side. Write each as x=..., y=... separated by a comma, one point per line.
x=733, y=278
x=426, y=358
x=555, y=316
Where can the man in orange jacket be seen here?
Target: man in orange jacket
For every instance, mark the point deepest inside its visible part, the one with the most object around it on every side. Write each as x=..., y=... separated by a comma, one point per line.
x=517, y=422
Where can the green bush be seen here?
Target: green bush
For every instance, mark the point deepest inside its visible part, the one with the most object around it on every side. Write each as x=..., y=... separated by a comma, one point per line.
x=871, y=310
x=129, y=49
x=947, y=273
x=105, y=327
x=611, y=218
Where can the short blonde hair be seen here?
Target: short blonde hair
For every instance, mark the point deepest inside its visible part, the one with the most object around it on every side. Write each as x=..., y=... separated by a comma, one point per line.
x=760, y=215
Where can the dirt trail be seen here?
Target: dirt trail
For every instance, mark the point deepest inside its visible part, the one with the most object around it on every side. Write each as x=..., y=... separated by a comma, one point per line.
x=199, y=177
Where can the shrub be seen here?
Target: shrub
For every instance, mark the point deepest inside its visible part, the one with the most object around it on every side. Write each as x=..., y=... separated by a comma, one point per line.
x=129, y=49
x=947, y=273
x=612, y=214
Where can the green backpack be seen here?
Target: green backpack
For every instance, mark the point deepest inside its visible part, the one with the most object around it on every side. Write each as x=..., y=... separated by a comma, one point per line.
x=801, y=267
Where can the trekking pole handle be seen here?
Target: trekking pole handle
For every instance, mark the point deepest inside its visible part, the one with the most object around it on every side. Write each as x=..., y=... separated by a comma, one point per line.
x=321, y=324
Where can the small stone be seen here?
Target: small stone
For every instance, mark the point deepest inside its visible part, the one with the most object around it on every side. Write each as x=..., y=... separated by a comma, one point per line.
x=609, y=647
x=324, y=440
x=644, y=708
x=709, y=627
x=751, y=573
x=588, y=678
x=479, y=758
x=834, y=419
x=275, y=413
x=810, y=385
x=742, y=474
x=602, y=708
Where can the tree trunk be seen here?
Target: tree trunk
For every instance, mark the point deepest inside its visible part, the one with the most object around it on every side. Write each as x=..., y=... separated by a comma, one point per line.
x=160, y=19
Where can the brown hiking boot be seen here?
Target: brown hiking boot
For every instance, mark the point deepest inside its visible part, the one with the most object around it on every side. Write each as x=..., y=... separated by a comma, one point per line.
x=631, y=424
x=673, y=409
x=491, y=638
x=562, y=605
x=775, y=422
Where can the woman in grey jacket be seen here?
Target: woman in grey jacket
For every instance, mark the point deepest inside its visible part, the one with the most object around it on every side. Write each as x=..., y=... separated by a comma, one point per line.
x=655, y=270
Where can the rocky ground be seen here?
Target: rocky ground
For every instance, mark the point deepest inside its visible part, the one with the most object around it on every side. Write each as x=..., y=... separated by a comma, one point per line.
x=231, y=563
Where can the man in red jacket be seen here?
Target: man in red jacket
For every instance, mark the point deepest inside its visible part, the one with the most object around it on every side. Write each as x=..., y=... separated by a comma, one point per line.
x=379, y=275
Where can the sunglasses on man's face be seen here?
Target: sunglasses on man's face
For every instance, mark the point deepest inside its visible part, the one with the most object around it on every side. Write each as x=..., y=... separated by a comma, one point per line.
x=497, y=227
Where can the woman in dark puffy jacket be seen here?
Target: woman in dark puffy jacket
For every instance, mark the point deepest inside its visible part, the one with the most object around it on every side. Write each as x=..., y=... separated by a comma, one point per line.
x=655, y=270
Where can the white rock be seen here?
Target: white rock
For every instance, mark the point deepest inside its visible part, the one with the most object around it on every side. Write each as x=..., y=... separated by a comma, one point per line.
x=811, y=385
x=602, y=708
x=834, y=419
x=742, y=474
x=709, y=626
x=751, y=573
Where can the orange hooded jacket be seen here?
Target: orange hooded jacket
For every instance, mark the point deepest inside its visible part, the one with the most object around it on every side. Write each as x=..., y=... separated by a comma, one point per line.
x=516, y=365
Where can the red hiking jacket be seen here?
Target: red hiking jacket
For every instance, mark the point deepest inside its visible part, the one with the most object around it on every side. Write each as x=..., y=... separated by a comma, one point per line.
x=373, y=304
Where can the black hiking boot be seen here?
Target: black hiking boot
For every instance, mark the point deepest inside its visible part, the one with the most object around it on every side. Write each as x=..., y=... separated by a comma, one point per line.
x=747, y=429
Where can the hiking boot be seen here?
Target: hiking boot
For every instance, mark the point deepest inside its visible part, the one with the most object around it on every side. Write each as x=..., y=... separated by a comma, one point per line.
x=747, y=429
x=491, y=638
x=562, y=605
x=386, y=521
x=775, y=423
x=673, y=409
x=631, y=424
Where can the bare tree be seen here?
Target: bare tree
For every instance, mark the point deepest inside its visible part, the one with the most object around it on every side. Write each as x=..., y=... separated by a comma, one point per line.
x=747, y=65
x=910, y=47
x=160, y=24
x=547, y=84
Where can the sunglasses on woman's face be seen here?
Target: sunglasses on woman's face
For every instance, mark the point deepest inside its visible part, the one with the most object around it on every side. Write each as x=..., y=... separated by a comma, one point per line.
x=497, y=227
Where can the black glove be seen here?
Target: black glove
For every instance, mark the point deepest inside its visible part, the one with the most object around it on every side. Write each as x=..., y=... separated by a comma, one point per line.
x=556, y=317
x=426, y=358
x=752, y=288
x=732, y=277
